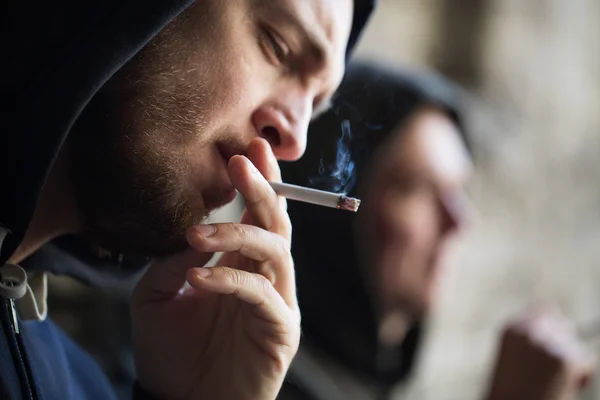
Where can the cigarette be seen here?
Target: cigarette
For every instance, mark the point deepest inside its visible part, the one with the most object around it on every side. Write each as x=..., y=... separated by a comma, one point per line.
x=314, y=196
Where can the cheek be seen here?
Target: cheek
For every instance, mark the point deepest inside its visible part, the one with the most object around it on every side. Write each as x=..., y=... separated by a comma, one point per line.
x=406, y=239
x=228, y=74
x=411, y=222
x=224, y=88
x=234, y=92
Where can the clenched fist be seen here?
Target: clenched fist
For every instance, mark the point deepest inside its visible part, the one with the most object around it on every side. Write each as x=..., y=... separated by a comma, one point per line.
x=541, y=357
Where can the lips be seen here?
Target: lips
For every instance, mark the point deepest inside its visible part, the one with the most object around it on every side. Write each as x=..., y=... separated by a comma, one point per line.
x=228, y=150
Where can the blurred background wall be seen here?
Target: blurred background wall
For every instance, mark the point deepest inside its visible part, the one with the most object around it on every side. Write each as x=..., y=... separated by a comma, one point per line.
x=533, y=71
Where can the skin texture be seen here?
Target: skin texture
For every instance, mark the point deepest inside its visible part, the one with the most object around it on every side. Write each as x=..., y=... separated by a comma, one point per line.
x=158, y=136
x=204, y=110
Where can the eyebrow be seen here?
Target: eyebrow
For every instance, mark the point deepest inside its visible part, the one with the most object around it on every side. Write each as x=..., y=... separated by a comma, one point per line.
x=312, y=42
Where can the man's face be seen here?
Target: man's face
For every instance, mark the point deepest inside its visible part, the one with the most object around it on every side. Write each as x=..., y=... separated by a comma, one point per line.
x=418, y=203
x=151, y=149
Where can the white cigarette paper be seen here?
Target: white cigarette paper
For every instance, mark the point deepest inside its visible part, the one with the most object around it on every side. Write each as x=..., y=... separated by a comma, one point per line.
x=314, y=196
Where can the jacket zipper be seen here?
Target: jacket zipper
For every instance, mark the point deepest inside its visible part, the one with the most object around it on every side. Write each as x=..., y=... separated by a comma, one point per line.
x=18, y=350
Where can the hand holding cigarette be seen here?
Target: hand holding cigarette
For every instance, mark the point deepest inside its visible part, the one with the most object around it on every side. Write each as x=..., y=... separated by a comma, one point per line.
x=234, y=333
x=541, y=357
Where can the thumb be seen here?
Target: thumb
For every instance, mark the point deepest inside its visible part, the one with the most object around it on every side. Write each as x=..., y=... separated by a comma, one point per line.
x=165, y=277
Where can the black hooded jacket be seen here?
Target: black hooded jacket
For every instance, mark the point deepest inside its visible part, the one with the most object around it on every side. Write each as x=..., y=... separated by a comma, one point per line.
x=56, y=55
x=339, y=321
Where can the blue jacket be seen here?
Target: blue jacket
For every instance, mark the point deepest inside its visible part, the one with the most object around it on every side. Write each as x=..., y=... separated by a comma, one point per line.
x=55, y=56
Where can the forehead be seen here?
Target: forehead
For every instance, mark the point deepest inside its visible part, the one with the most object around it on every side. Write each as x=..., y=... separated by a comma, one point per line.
x=431, y=144
x=333, y=17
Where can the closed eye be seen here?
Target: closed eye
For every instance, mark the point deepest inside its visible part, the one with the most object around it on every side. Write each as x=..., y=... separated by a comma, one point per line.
x=274, y=45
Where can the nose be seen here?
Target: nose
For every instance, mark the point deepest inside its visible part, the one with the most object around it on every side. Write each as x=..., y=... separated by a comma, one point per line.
x=284, y=124
x=458, y=212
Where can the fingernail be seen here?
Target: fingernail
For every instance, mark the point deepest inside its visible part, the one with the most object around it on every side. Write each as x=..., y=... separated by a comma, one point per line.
x=203, y=272
x=206, y=230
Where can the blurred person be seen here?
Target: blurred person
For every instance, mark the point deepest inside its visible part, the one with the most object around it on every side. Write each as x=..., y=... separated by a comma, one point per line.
x=367, y=281
x=124, y=125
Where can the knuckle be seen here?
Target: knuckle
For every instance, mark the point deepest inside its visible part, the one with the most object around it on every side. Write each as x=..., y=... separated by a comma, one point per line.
x=240, y=230
x=288, y=260
x=236, y=278
x=283, y=247
x=284, y=204
x=267, y=271
x=285, y=226
x=287, y=222
x=296, y=314
x=263, y=284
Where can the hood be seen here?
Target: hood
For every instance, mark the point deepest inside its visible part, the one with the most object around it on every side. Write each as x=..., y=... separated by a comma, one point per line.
x=56, y=57
x=338, y=311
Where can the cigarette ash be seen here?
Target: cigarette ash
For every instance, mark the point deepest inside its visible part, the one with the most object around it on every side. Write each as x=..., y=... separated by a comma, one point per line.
x=348, y=203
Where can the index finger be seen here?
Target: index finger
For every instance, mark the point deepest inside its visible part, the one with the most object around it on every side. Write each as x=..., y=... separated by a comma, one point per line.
x=261, y=155
x=262, y=203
